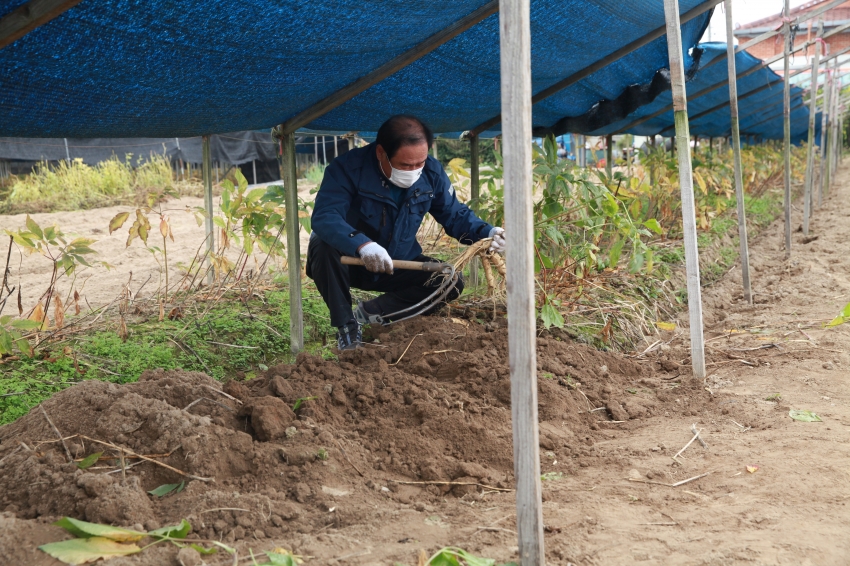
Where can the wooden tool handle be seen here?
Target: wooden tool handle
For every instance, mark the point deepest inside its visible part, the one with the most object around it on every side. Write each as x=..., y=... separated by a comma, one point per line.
x=431, y=266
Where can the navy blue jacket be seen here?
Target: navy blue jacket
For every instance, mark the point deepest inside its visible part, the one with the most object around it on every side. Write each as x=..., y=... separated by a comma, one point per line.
x=354, y=206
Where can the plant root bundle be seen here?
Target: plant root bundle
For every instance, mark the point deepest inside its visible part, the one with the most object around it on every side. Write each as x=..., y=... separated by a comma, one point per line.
x=489, y=261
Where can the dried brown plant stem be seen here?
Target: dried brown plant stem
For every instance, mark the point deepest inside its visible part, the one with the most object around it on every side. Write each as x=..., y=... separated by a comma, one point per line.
x=56, y=430
x=452, y=483
x=145, y=458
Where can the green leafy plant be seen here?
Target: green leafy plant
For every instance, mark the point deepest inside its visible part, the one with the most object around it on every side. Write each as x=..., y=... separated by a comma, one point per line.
x=453, y=556
x=89, y=461
x=167, y=488
x=95, y=541
x=322, y=454
x=843, y=316
x=300, y=401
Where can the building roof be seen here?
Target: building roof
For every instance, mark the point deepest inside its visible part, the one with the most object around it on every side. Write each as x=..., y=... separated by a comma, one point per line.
x=842, y=12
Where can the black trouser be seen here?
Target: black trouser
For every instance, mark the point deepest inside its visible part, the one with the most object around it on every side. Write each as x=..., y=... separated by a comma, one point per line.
x=402, y=289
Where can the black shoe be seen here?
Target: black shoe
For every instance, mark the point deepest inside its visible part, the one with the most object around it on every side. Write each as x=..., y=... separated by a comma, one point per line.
x=349, y=337
x=362, y=316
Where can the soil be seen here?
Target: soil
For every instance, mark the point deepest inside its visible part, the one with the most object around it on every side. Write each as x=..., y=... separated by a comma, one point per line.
x=428, y=401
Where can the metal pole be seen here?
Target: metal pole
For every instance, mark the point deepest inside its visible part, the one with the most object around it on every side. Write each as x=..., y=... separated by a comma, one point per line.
x=293, y=243
x=609, y=156
x=336, y=150
x=810, y=154
x=474, y=193
x=208, y=205
x=827, y=110
x=686, y=183
x=67, y=152
x=736, y=150
x=434, y=150
x=324, y=152
x=254, y=169
x=787, y=123
x=316, y=148
x=515, y=55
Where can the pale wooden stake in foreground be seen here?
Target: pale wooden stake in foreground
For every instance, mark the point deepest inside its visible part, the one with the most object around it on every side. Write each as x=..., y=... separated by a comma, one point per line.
x=736, y=148
x=810, y=154
x=787, y=123
x=474, y=193
x=206, y=172
x=686, y=183
x=293, y=244
x=515, y=50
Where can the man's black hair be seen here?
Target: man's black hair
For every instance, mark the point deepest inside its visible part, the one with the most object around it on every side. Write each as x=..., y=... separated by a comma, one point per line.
x=401, y=130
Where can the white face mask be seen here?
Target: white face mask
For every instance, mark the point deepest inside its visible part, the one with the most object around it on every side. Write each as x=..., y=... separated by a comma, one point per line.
x=401, y=178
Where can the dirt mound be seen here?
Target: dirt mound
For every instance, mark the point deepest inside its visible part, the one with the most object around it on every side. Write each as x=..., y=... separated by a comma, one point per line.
x=319, y=443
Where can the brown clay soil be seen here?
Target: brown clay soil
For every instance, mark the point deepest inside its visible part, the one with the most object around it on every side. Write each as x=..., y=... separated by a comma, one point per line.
x=428, y=402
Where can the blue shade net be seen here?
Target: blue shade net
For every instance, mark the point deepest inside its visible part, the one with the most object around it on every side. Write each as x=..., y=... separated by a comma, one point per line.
x=156, y=68
x=760, y=109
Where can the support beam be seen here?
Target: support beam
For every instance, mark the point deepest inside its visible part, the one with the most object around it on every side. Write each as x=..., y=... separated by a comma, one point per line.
x=787, y=125
x=25, y=18
x=293, y=243
x=515, y=50
x=602, y=63
x=686, y=183
x=390, y=67
x=736, y=150
x=474, y=193
x=206, y=173
x=810, y=153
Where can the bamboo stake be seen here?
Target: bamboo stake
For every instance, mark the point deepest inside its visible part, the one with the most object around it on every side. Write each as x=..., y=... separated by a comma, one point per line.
x=515, y=55
x=208, y=205
x=293, y=244
x=810, y=154
x=686, y=183
x=736, y=148
x=474, y=193
x=787, y=124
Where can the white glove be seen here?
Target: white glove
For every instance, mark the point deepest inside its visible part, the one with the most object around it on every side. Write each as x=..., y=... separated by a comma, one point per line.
x=498, y=244
x=376, y=258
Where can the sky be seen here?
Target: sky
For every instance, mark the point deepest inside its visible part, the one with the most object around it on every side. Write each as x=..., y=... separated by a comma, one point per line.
x=745, y=11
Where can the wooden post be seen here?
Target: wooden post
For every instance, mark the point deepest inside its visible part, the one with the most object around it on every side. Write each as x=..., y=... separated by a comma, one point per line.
x=515, y=55
x=826, y=136
x=787, y=123
x=823, y=135
x=810, y=154
x=609, y=156
x=474, y=193
x=208, y=204
x=686, y=183
x=293, y=243
x=736, y=150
